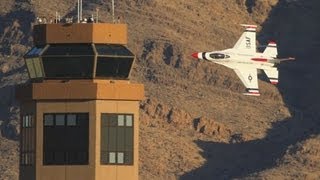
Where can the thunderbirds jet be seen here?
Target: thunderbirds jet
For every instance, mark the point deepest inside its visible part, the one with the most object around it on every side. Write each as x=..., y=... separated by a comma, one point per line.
x=245, y=60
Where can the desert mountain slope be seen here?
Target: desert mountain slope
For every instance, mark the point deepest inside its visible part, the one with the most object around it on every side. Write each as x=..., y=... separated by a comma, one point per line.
x=195, y=123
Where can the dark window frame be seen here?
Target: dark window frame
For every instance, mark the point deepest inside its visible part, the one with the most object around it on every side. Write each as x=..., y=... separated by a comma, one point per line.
x=50, y=155
x=35, y=51
x=107, y=151
x=85, y=70
x=81, y=49
x=114, y=67
x=27, y=139
x=113, y=50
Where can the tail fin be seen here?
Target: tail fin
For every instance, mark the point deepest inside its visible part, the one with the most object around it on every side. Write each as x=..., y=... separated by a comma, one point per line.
x=247, y=41
x=273, y=75
x=271, y=50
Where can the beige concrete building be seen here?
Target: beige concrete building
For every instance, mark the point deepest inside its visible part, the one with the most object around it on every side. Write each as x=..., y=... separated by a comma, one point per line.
x=79, y=111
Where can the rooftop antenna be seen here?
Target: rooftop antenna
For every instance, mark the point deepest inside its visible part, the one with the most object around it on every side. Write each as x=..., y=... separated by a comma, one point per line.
x=97, y=18
x=57, y=19
x=113, y=11
x=78, y=11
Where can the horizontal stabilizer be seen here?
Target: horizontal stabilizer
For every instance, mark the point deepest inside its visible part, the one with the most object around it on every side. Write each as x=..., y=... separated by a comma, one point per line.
x=273, y=75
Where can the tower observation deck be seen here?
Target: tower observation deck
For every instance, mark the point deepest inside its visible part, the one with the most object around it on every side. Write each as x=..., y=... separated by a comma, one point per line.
x=79, y=111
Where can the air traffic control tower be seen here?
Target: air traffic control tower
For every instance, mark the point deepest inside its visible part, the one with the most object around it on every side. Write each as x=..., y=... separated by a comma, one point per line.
x=79, y=112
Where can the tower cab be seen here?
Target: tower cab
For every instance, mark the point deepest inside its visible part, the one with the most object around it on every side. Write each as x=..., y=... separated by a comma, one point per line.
x=79, y=110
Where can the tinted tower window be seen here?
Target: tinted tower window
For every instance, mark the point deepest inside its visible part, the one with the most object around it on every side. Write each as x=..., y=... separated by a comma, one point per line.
x=66, y=139
x=68, y=61
x=115, y=67
x=117, y=139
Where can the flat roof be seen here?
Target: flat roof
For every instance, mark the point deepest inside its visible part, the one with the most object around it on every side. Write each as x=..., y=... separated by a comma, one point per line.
x=99, y=33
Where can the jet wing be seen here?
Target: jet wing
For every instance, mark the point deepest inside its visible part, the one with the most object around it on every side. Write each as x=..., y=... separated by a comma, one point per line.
x=247, y=41
x=249, y=78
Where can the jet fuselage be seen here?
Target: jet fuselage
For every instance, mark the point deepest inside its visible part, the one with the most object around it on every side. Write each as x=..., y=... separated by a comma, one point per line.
x=244, y=59
x=232, y=58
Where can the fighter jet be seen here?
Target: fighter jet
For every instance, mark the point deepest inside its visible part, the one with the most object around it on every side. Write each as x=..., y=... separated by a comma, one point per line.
x=244, y=59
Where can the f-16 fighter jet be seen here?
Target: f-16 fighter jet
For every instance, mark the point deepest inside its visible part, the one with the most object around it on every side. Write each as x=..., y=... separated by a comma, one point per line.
x=244, y=59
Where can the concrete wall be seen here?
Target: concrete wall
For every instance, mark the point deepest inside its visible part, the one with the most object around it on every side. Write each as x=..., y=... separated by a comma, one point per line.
x=118, y=172
x=62, y=172
x=93, y=171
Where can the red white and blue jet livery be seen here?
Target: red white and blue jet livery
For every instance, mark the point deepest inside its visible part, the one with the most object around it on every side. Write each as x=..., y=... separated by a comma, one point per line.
x=244, y=59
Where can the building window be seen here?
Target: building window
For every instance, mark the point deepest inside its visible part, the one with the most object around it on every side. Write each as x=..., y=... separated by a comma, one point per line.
x=27, y=145
x=68, y=67
x=34, y=67
x=68, y=61
x=114, y=67
x=66, y=139
x=117, y=139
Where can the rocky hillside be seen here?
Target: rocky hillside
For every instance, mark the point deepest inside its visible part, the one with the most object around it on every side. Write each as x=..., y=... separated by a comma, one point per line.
x=195, y=123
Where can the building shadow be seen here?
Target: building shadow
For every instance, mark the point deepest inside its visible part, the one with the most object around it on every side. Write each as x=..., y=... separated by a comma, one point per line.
x=236, y=160
x=8, y=113
x=16, y=27
x=240, y=159
x=9, y=108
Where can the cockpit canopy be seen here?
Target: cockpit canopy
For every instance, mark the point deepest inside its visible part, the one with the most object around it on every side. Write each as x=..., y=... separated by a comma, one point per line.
x=219, y=56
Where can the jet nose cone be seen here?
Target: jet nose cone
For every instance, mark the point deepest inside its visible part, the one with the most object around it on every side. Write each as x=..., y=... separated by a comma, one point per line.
x=195, y=55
